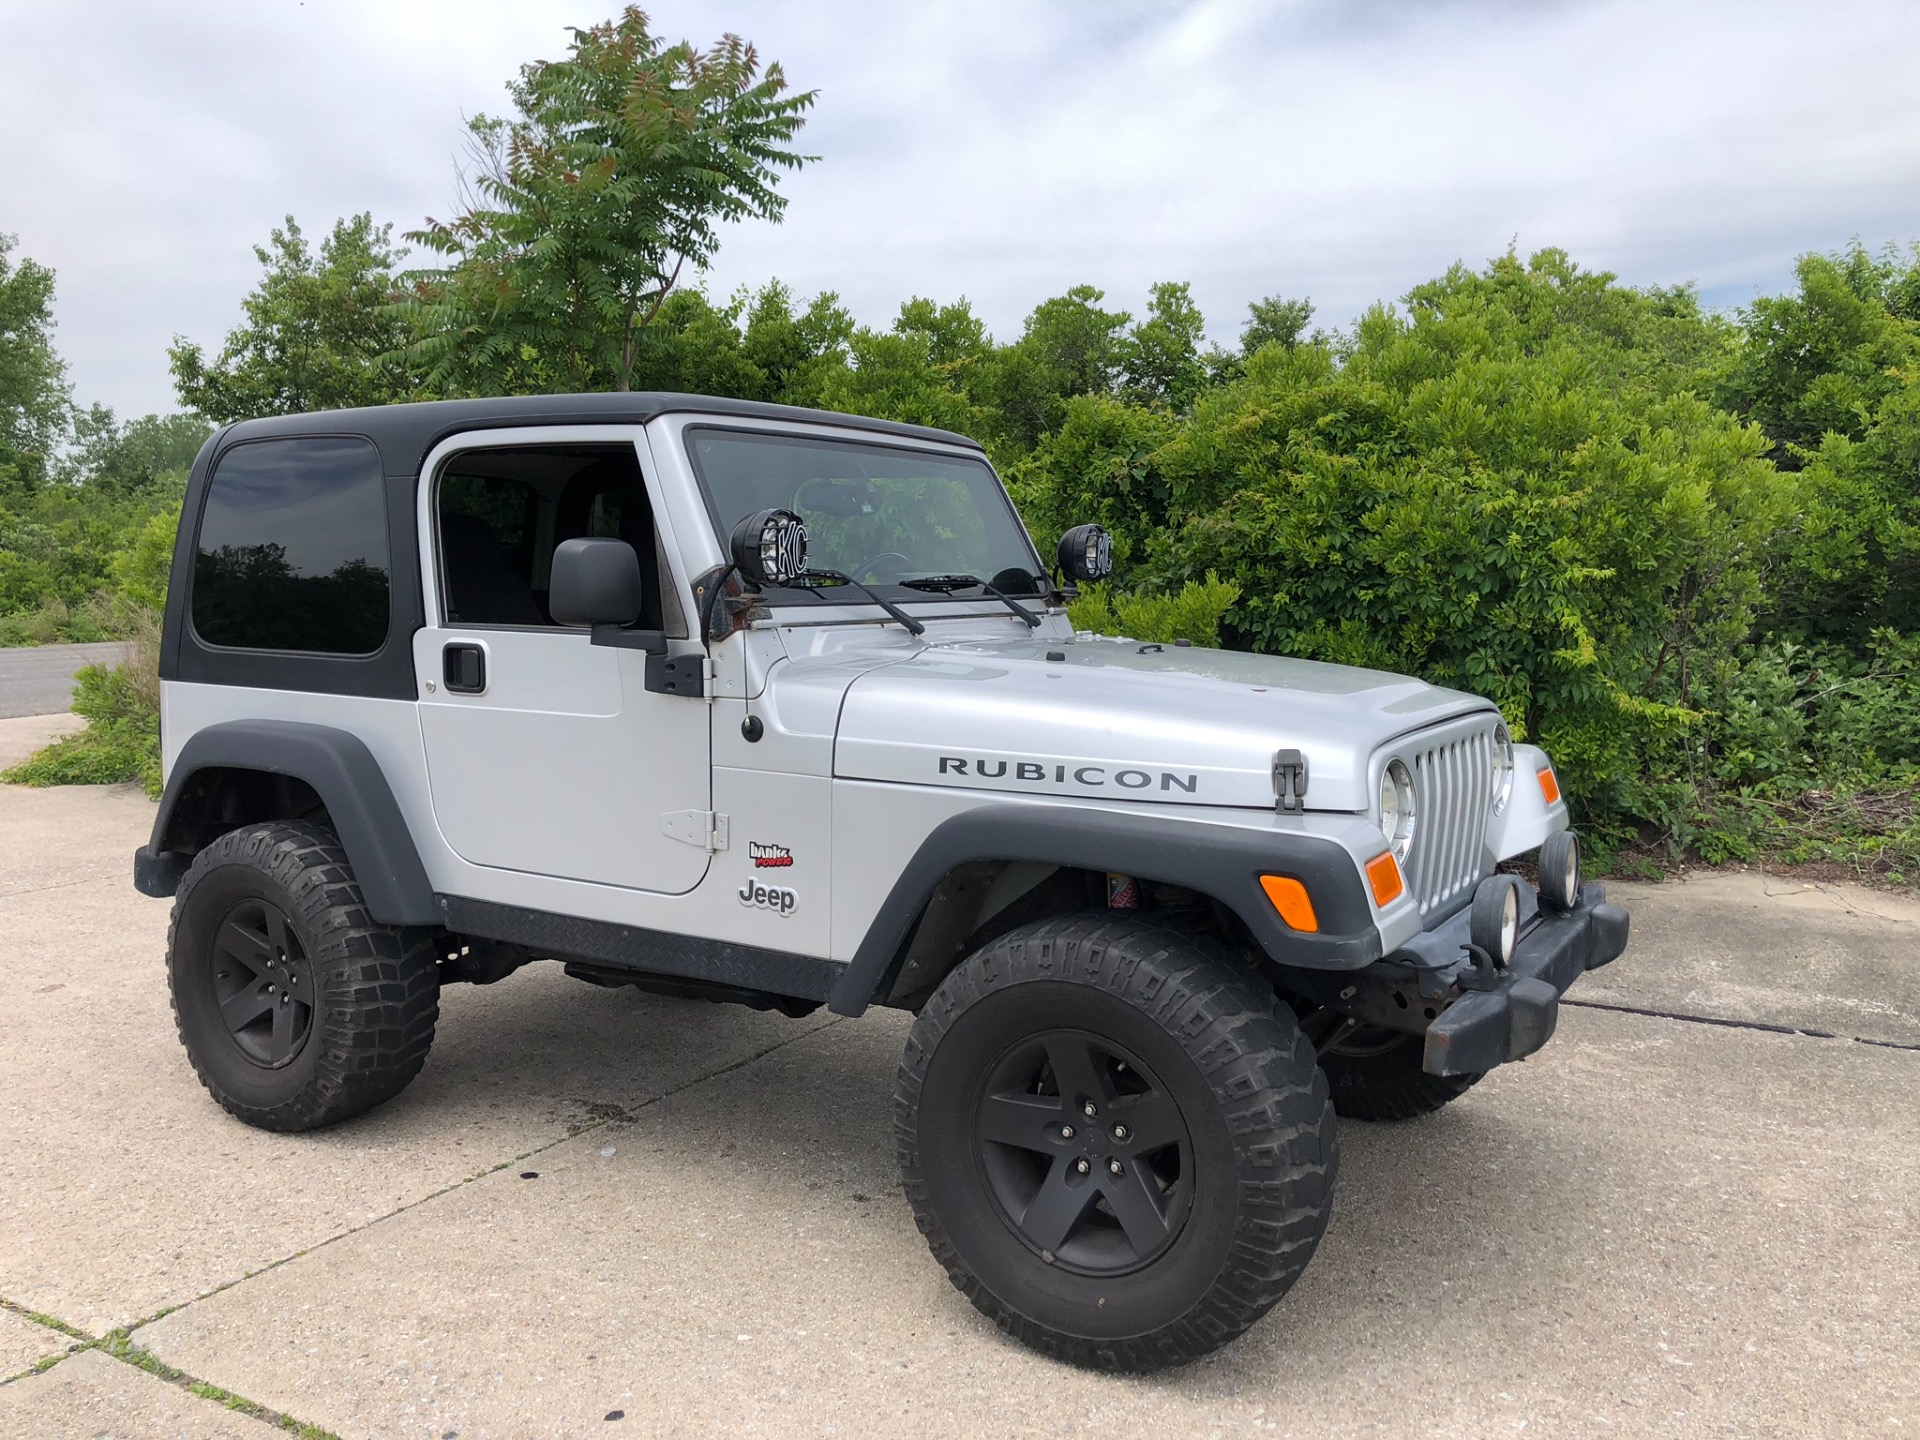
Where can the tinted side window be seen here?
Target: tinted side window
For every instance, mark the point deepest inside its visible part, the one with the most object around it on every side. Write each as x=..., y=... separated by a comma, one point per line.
x=293, y=552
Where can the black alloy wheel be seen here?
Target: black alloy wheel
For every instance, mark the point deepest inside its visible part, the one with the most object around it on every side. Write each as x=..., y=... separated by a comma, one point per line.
x=263, y=983
x=1084, y=1152
x=1115, y=1140
x=296, y=1007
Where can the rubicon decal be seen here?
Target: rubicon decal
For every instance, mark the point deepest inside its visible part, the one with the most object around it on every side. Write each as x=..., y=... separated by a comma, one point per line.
x=1092, y=777
x=777, y=898
x=769, y=857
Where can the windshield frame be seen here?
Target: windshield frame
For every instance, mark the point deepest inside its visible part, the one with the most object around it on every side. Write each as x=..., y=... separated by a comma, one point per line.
x=848, y=594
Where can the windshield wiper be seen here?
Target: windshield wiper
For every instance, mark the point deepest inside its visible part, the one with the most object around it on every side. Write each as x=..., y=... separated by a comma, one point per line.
x=947, y=584
x=838, y=578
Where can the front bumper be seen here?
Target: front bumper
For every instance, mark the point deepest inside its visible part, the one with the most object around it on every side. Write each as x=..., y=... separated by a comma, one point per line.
x=1485, y=1028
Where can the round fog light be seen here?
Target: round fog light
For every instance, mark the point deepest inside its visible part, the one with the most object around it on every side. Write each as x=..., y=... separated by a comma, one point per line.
x=1560, y=871
x=1494, y=924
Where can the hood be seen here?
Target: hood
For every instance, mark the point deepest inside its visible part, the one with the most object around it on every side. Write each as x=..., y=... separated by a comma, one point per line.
x=1122, y=720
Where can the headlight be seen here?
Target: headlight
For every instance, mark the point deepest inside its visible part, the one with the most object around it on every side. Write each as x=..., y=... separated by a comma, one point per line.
x=1502, y=768
x=1398, y=808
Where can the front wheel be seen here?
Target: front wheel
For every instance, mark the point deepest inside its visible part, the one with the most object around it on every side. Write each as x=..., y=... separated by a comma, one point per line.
x=1121, y=1151
x=297, y=1009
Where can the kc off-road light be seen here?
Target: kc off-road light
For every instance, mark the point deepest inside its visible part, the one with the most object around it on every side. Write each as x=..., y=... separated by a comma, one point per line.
x=1085, y=553
x=1494, y=923
x=1290, y=898
x=770, y=547
x=1399, y=808
x=1502, y=768
x=1560, y=871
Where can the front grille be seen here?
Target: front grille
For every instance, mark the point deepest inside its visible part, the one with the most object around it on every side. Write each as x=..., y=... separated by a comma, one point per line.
x=1453, y=784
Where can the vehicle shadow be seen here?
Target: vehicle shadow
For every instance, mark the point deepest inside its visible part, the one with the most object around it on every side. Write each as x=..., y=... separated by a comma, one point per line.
x=1469, y=1212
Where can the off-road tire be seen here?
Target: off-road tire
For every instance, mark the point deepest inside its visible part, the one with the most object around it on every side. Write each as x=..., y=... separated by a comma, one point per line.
x=375, y=989
x=1386, y=1082
x=1233, y=1062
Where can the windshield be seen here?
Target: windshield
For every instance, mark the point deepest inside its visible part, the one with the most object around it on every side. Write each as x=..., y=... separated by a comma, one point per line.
x=879, y=514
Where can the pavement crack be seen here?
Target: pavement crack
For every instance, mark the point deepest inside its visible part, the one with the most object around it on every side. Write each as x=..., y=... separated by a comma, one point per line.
x=118, y=1346
x=1764, y=1026
x=616, y=1114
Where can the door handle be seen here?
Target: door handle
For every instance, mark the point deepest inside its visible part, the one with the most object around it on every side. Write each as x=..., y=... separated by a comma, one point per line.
x=464, y=668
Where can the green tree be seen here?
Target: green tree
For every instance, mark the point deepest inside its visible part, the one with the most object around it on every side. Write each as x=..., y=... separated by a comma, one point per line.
x=1831, y=371
x=1070, y=346
x=34, y=403
x=1275, y=321
x=148, y=453
x=1161, y=359
x=616, y=173
x=321, y=332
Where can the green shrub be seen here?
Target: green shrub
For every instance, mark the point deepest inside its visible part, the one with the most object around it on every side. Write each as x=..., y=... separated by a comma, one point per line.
x=120, y=704
x=1191, y=613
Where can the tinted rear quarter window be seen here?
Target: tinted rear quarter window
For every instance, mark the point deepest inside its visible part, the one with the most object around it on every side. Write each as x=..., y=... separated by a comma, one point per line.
x=293, y=551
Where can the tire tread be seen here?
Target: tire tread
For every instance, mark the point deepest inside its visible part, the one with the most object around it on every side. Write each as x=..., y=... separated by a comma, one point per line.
x=381, y=985
x=1262, y=1071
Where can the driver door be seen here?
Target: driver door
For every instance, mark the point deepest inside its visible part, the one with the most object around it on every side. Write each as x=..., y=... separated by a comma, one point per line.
x=547, y=754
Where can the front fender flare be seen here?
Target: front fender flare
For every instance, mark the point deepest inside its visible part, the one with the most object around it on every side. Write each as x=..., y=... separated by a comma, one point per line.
x=350, y=783
x=1219, y=860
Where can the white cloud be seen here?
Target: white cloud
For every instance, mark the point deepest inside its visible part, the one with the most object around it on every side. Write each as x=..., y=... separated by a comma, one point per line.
x=996, y=149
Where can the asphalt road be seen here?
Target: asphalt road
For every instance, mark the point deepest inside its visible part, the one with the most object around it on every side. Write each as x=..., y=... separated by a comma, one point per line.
x=601, y=1213
x=38, y=680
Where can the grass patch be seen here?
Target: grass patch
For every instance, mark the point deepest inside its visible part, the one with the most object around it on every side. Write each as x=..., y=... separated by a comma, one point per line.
x=121, y=1347
x=121, y=705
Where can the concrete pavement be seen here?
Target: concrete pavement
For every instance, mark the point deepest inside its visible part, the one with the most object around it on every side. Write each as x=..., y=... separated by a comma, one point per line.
x=38, y=679
x=597, y=1204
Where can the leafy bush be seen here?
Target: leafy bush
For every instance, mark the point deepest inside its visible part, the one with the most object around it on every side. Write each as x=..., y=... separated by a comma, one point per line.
x=1191, y=613
x=121, y=705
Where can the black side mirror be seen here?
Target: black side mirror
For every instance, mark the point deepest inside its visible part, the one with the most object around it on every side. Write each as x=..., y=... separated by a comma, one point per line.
x=1086, y=554
x=595, y=582
x=770, y=547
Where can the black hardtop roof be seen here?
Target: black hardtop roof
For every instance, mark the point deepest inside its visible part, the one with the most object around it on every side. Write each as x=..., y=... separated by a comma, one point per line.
x=406, y=433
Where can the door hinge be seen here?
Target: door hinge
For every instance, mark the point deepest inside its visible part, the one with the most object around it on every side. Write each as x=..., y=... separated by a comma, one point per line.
x=702, y=829
x=678, y=675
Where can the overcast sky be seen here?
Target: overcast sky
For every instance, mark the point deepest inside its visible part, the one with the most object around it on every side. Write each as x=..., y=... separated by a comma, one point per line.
x=997, y=150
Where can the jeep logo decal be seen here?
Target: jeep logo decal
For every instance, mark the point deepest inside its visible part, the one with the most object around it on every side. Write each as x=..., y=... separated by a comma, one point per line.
x=777, y=898
x=1094, y=777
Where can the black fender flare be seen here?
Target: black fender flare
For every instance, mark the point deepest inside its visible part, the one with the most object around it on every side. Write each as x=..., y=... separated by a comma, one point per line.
x=1219, y=860
x=350, y=783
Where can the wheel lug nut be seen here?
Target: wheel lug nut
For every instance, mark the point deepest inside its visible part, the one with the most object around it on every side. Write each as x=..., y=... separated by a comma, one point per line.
x=1082, y=1165
x=1114, y=1169
x=1066, y=1132
x=1089, y=1110
x=1120, y=1132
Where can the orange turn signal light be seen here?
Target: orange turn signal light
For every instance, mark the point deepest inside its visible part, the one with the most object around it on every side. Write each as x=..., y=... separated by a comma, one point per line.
x=1550, y=786
x=1383, y=878
x=1290, y=898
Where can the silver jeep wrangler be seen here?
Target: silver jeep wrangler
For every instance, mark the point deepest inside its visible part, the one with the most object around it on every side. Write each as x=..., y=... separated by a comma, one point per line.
x=780, y=707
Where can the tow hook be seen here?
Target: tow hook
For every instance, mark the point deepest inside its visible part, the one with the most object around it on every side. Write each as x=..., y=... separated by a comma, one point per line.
x=1482, y=971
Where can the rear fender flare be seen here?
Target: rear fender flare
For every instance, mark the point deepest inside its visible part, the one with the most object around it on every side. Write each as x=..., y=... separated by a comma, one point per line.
x=338, y=768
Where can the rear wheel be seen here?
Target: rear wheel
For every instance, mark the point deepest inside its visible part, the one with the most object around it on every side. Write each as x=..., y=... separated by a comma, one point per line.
x=1120, y=1150
x=296, y=1008
x=1375, y=1074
